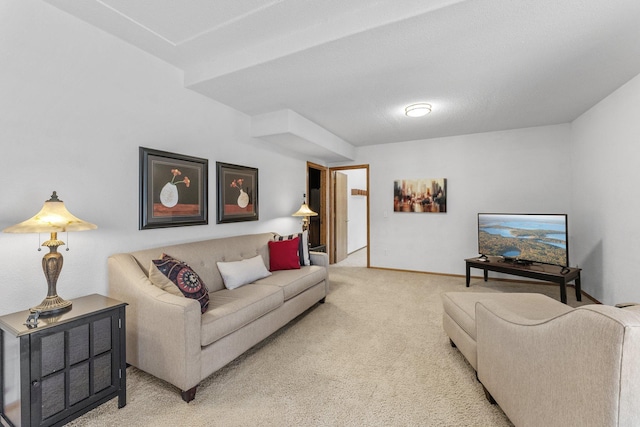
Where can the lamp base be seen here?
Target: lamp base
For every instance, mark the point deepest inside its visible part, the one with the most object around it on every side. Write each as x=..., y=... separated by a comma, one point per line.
x=51, y=265
x=51, y=305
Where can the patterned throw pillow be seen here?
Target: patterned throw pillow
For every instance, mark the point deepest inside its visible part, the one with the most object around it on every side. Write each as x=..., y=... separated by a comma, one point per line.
x=185, y=279
x=303, y=245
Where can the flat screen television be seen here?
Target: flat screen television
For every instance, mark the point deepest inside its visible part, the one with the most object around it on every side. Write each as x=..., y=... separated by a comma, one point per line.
x=527, y=238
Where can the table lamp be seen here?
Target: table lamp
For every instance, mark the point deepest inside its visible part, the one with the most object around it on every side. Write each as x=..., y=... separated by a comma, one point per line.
x=305, y=213
x=52, y=218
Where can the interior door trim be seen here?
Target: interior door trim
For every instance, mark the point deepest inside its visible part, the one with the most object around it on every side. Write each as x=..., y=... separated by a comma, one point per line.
x=331, y=210
x=324, y=205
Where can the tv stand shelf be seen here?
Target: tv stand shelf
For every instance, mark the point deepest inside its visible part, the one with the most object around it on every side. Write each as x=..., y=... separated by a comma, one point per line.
x=548, y=273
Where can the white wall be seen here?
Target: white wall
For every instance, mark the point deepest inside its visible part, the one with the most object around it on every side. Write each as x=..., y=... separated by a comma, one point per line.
x=357, y=210
x=520, y=171
x=606, y=200
x=75, y=105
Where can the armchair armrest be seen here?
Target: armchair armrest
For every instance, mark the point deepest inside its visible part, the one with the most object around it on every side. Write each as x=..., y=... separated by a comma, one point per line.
x=575, y=368
x=163, y=330
x=626, y=304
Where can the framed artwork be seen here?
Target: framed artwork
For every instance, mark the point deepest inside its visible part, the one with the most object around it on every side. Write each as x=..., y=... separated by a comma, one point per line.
x=237, y=193
x=173, y=189
x=420, y=195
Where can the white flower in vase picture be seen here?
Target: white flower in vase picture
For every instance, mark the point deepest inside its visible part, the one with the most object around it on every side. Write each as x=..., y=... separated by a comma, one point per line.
x=243, y=198
x=169, y=193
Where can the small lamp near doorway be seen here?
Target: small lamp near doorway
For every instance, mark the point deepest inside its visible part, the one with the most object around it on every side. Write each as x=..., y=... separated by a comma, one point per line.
x=305, y=212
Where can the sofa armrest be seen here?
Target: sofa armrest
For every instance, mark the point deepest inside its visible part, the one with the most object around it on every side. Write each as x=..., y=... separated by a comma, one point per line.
x=319, y=258
x=572, y=369
x=163, y=330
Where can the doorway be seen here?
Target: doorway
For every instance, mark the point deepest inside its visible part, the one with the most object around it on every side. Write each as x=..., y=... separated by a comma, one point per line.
x=349, y=215
x=317, y=190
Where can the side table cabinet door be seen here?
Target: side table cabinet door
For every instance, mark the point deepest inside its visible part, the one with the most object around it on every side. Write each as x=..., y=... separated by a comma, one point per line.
x=71, y=367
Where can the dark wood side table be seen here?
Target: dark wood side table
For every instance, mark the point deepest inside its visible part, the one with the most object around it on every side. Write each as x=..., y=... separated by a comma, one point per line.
x=67, y=365
x=548, y=273
x=319, y=248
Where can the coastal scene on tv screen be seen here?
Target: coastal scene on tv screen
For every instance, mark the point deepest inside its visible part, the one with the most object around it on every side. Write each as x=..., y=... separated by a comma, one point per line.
x=536, y=238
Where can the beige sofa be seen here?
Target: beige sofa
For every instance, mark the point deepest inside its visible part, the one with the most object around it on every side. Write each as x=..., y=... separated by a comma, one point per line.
x=168, y=337
x=547, y=364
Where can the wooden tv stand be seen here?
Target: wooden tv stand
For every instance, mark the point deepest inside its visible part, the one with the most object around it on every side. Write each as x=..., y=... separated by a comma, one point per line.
x=548, y=273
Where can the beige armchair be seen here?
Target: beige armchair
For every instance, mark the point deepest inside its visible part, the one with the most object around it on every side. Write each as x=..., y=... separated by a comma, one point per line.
x=579, y=368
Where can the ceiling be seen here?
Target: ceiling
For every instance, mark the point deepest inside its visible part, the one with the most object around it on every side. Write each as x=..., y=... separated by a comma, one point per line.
x=350, y=67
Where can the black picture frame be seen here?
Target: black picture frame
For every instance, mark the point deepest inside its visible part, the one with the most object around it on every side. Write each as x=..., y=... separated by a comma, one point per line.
x=168, y=198
x=237, y=193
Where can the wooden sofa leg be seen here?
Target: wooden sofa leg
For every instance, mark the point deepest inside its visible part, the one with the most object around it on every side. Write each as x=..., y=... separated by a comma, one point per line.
x=488, y=395
x=189, y=395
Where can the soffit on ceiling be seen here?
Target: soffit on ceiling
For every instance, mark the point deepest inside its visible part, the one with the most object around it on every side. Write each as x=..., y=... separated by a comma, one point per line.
x=350, y=67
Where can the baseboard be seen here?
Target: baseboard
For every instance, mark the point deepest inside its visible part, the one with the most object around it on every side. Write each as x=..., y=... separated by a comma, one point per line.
x=497, y=279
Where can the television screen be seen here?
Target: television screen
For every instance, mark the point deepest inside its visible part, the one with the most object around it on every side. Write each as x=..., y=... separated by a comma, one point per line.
x=524, y=237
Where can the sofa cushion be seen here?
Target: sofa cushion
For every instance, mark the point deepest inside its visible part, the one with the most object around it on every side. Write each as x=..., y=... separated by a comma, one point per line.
x=294, y=282
x=303, y=245
x=231, y=309
x=283, y=255
x=203, y=255
x=182, y=276
x=237, y=273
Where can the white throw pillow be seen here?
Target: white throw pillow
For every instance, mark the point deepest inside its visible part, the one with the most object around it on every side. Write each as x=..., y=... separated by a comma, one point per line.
x=237, y=273
x=305, y=247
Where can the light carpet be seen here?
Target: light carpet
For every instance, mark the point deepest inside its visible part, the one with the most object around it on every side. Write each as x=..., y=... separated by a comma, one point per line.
x=374, y=354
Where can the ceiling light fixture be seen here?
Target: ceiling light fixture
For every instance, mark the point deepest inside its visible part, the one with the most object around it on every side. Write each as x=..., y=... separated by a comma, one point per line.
x=418, y=110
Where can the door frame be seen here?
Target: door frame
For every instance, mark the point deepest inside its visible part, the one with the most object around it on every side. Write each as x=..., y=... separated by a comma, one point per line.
x=324, y=194
x=332, y=211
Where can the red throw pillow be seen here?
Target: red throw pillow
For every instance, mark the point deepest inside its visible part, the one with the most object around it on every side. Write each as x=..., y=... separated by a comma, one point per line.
x=283, y=255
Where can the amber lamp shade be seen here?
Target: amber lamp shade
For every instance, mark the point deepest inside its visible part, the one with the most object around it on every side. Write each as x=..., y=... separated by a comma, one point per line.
x=305, y=213
x=52, y=218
